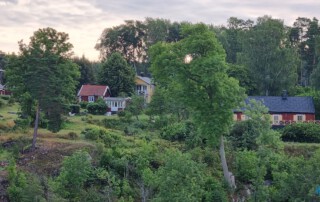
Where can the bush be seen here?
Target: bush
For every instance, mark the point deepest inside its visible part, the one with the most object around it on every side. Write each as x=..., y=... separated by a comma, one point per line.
x=112, y=123
x=302, y=132
x=74, y=108
x=22, y=124
x=94, y=133
x=244, y=134
x=83, y=105
x=73, y=135
x=97, y=108
x=5, y=97
x=177, y=131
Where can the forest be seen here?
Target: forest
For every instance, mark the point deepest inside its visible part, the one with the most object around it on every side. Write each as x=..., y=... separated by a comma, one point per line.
x=182, y=146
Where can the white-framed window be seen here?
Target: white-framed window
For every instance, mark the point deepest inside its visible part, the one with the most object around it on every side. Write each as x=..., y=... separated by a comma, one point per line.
x=244, y=117
x=300, y=117
x=90, y=98
x=276, y=119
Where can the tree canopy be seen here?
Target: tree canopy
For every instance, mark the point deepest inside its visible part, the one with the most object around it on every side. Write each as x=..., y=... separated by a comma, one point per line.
x=43, y=70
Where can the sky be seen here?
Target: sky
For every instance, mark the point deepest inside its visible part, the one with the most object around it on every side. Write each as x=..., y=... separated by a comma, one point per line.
x=85, y=20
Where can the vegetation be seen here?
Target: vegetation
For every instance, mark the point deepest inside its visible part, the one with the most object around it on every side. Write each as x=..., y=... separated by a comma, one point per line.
x=171, y=149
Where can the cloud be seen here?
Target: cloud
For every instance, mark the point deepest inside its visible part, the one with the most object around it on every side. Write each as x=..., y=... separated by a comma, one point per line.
x=85, y=20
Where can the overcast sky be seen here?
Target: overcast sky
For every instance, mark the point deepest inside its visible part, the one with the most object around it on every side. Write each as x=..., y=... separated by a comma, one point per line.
x=84, y=20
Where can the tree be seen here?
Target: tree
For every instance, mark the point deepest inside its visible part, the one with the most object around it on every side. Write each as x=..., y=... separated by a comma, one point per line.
x=268, y=55
x=44, y=71
x=180, y=179
x=118, y=75
x=195, y=66
x=86, y=71
x=126, y=39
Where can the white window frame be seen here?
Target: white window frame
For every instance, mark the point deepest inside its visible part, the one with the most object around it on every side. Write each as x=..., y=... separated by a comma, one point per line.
x=91, y=98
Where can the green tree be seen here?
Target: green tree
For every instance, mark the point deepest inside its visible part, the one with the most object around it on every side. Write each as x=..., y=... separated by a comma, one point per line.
x=43, y=69
x=136, y=106
x=86, y=71
x=118, y=75
x=269, y=56
x=126, y=39
x=180, y=179
x=74, y=173
x=195, y=66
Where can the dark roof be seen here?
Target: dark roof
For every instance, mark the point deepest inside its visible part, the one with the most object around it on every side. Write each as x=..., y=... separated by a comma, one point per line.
x=89, y=90
x=277, y=104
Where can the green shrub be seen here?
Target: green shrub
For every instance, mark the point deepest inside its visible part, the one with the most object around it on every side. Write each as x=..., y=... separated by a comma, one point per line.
x=74, y=108
x=97, y=108
x=177, y=131
x=22, y=124
x=302, y=132
x=73, y=135
x=75, y=172
x=94, y=133
x=2, y=103
x=112, y=123
x=11, y=100
x=244, y=134
x=5, y=97
x=83, y=105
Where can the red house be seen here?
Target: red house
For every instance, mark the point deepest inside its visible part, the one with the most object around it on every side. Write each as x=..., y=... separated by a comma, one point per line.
x=284, y=109
x=4, y=91
x=90, y=93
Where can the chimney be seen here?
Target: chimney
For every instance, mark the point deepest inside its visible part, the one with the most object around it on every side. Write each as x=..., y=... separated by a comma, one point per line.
x=284, y=95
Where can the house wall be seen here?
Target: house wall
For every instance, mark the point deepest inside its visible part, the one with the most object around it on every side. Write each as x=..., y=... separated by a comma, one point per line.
x=150, y=88
x=284, y=116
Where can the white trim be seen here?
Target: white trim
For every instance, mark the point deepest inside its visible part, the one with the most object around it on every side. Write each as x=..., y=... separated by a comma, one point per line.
x=79, y=91
x=91, y=98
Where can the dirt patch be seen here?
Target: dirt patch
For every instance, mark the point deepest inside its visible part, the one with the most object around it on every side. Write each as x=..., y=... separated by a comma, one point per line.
x=47, y=158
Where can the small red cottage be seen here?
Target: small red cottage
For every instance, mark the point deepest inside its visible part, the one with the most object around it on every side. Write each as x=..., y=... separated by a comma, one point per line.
x=4, y=91
x=284, y=109
x=91, y=93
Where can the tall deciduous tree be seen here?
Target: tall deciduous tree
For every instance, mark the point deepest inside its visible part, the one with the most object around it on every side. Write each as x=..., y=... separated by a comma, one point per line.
x=126, y=39
x=269, y=57
x=195, y=66
x=44, y=71
x=118, y=75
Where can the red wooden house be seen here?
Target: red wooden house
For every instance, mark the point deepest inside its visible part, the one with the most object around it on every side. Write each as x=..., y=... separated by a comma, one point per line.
x=91, y=93
x=4, y=91
x=284, y=109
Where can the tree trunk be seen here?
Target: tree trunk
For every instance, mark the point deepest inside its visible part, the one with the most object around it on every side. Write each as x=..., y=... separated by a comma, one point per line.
x=35, y=131
x=227, y=175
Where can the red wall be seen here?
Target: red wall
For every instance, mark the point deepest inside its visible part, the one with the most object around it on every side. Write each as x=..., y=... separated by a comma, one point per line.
x=285, y=116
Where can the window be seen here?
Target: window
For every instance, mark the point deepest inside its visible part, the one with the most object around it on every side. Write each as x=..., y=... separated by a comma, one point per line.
x=276, y=119
x=90, y=98
x=300, y=117
x=116, y=104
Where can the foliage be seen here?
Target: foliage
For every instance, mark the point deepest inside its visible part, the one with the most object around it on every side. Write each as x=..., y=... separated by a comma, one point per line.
x=71, y=179
x=97, y=108
x=247, y=164
x=179, y=131
x=302, y=132
x=44, y=71
x=74, y=108
x=135, y=106
x=203, y=79
x=83, y=105
x=126, y=39
x=86, y=71
x=179, y=179
x=118, y=75
x=271, y=60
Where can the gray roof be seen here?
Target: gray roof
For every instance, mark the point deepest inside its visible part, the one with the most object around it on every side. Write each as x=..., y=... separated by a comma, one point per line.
x=277, y=104
x=145, y=79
